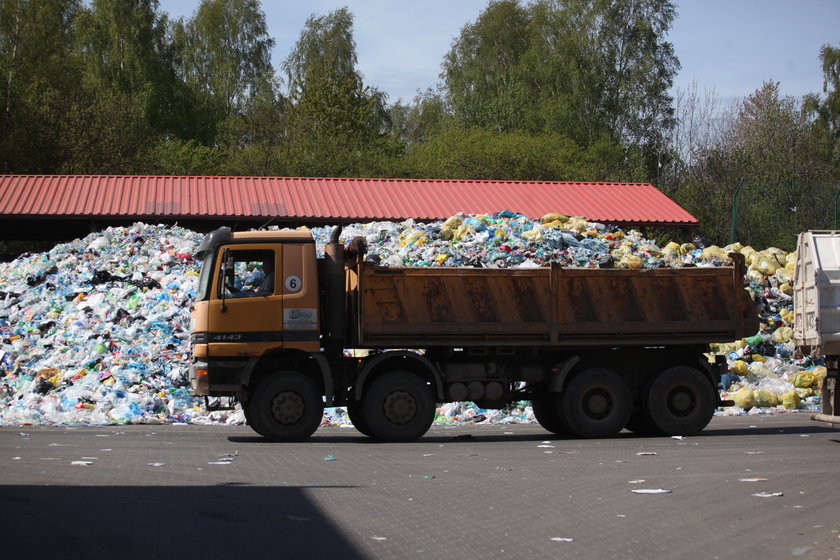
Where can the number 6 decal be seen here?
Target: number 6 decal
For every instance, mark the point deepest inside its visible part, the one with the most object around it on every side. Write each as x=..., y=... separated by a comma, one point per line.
x=293, y=283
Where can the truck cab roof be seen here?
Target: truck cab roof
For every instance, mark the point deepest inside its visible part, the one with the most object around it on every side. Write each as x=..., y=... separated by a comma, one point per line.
x=224, y=235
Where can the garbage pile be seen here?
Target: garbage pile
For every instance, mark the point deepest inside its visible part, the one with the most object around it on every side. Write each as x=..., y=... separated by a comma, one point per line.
x=96, y=331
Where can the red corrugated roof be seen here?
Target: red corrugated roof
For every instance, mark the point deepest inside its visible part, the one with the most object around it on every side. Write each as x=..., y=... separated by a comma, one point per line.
x=326, y=199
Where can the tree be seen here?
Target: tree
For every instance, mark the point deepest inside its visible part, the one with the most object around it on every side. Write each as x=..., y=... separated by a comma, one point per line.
x=419, y=121
x=589, y=69
x=787, y=163
x=483, y=72
x=827, y=110
x=337, y=124
x=226, y=57
x=39, y=77
x=701, y=119
x=475, y=153
x=128, y=84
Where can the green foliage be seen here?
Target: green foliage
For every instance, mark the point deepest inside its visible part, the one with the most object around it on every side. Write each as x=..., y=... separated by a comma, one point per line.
x=177, y=157
x=225, y=59
x=827, y=110
x=787, y=162
x=461, y=153
x=544, y=90
x=587, y=69
x=39, y=80
x=427, y=116
x=336, y=124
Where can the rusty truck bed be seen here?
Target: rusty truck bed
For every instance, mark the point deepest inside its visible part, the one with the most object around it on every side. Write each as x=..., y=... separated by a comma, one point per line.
x=550, y=306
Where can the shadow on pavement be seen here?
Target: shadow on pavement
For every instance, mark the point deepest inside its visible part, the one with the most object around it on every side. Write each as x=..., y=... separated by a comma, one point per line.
x=181, y=522
x=479, y=435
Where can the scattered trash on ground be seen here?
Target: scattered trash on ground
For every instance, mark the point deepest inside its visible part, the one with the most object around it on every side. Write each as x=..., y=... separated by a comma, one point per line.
x=768, y=495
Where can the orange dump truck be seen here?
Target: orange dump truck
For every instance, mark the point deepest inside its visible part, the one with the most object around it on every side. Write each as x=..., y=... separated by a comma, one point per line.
x=594, y=350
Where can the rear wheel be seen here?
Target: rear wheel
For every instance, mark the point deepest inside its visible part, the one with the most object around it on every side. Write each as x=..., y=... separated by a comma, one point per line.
x=595, y=403
x=287, y=406
x=639, y=423
x=398, y=406
x=680, y=401
x=357, y=416
x=545, y=411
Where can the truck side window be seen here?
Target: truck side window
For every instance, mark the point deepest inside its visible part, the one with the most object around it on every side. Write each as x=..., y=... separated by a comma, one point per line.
x=249, y=274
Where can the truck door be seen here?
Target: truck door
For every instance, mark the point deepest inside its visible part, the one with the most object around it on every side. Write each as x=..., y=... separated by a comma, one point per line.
x=246, y=310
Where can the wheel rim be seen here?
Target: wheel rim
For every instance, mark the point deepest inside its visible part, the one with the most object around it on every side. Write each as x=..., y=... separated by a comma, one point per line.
x=597, y=404
x=287, y=407
x=681, y=401
x=400, y=407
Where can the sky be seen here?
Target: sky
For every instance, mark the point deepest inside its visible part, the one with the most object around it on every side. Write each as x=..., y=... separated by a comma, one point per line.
x=729, y=47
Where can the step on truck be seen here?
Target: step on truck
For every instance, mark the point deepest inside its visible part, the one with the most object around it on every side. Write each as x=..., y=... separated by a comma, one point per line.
x=594, y=350
x=816, y=311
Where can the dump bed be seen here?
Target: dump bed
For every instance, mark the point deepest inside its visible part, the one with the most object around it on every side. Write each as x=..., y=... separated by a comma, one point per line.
x=550, y=306
x=816, y=292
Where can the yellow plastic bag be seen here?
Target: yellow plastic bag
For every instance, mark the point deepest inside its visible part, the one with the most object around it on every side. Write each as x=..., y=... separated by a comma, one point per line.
x=733, y=248
x=782, y=335
x=463, y=231
x=412, y=238
x=671, y=249
x=714, y=252
x=749, y=254
x=553, y=220
x=803, y=379
x=770, y=260
x=630, y=261
x=765, y=398
x=453, y=222
x=790, y=400
x=577, y=223
x=783, y=276
x=533, y=235
x=819, y=372
x=743, y=398
x=804, y=392
x=686, y=248
x=754, y=275
x=740, y=367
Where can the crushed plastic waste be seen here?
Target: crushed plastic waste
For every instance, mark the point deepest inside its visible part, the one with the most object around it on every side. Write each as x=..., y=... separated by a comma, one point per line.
x=96, y=331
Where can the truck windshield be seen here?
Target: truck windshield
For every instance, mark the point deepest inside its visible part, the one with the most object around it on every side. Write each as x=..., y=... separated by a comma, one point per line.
x=204, y=277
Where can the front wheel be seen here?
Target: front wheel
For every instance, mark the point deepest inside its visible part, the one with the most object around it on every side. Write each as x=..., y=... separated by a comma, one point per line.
x=287, y=406
x=398, y=406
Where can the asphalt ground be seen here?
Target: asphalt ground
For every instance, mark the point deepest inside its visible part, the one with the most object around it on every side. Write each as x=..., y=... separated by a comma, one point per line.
x=472, y=491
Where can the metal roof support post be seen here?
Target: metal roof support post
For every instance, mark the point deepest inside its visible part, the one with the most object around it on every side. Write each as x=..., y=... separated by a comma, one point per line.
x=733, y=235
x=836, y=196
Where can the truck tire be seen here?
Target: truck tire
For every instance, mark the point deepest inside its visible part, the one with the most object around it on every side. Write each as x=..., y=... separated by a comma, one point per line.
x=357, y=416
x=398, y=406
x=595, y=403
x=545, y=411
x=640, y=424
x=286, y=406
x=679, y=401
